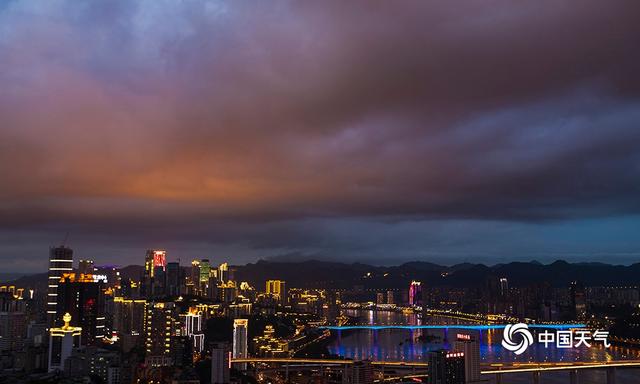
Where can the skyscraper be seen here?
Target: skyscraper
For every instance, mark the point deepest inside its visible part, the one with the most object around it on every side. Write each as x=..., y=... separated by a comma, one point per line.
x=504, y=286
x=220, y=363
x=470, y=346
x=61, y=343
x=240, y=339
x=223, y=273
x=193, y=328
x=205, y=270
x=446, y=367
x=155, y=260
x=60, y=262
x=162, y=325
x=13, y=327
x=277, y=289
x=128, y=316
x=362, y=372
x=415, y=293
x=174, y=279
x=82, y=298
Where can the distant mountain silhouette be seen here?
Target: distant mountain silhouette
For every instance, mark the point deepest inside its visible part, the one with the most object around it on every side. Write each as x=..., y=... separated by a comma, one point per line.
x=325, y=274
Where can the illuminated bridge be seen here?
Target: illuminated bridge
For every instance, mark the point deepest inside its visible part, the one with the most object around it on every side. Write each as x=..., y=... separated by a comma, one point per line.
x=456, y=326
x=397, y=370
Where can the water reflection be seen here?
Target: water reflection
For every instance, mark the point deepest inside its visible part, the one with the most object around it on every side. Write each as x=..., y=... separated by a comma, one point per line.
x=414, y=344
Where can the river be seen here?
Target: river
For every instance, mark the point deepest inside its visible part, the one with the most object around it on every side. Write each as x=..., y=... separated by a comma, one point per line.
x=413, y=345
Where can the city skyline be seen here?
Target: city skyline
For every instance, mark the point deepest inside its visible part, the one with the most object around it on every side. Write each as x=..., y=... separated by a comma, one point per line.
x=290, y=131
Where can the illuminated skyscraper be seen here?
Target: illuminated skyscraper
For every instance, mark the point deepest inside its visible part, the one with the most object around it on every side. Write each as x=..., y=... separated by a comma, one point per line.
x=240, y=339
x=223, y=273
x=504, y=286
x=155, y=261
x=82, y=298
x=162, y=326
x=60, y=262
x=445, y=367
x=154, y=258
x=469, y=345
x=415, y=293
x=390, y=297
x=61, y=343
x=205, y=270
x=128, y=316
x=193, y=329
x=278, y=289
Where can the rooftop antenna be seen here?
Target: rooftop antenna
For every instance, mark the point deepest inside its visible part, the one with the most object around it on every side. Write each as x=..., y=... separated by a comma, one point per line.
x=66, y=236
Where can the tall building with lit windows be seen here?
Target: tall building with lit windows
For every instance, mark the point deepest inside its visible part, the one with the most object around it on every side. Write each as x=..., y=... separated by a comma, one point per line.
x=61, y=343
x=240, y=340
x=277, y=289
x=223, y=273
x=205, y=270
x=155, y=263
x=468, y=344
x=415, y=293
x=60, y=262
x=162, y=329
x=192, y=321
x=82, y=297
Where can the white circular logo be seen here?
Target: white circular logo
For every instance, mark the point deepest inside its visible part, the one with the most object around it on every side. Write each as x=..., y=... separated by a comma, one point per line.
x=517, y=338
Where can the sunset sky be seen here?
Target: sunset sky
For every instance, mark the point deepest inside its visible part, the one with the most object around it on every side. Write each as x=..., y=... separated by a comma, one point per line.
x=372, y=131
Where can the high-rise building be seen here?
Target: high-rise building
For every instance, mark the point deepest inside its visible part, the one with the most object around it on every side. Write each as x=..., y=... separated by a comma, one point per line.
x=13, y=323
x=469, y=345
x=362, y=372
x=220, y=363
x=192, y=321
x=205, y=270
x=277, y=289
x=174, y=279
x=61, y=343
x=155, y=260
x=128, y=316
x=445, y=367
x=60, y=262
x=390, y=299
x=85, y=267
x=578, y=300
x=240, y=340
x=415, y=293
x=504, y=286
x=227, y=292
x=162, y=326
x=83, y=298
x=223, y=273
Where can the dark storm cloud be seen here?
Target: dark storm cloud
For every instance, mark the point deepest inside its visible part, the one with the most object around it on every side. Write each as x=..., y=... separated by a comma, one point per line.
x=154, y=117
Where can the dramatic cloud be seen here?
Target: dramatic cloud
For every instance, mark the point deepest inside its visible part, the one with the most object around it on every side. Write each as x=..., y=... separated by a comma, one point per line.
x=248, y=127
